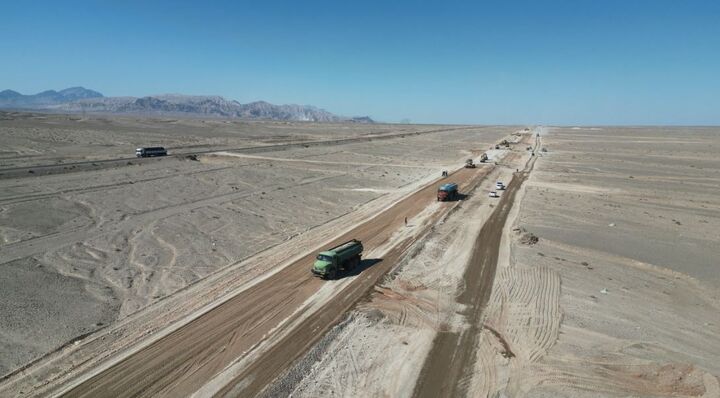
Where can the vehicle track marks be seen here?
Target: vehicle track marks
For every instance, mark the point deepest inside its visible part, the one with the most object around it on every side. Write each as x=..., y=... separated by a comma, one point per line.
x=449, y=367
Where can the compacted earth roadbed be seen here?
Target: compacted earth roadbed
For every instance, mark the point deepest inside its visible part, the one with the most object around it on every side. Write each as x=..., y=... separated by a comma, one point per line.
x=188, y=358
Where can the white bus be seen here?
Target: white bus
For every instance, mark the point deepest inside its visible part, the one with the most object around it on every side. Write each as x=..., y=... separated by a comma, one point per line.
x=150, y=151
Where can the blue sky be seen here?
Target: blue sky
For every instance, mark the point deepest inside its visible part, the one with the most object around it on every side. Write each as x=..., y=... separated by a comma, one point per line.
x=524, y=62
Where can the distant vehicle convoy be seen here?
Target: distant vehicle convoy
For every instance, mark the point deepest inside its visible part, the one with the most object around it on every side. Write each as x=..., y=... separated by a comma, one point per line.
x=347, y=256
x=340, y=258
x=447, y=191
x=150, y=152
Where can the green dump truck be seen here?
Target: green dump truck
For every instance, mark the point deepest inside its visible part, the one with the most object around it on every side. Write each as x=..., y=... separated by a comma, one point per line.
x=340, y=258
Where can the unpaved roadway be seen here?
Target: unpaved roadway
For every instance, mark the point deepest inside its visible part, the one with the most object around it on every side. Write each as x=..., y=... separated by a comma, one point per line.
x=449, y=365
x=97, y=164
x=183, y=361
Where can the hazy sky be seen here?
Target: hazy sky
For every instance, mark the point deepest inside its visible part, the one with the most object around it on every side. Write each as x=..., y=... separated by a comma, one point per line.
x=534, y=62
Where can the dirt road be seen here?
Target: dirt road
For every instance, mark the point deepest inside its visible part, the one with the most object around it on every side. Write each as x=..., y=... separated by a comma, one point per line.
x=98, y=164
x=181, y=362
x=449, y=364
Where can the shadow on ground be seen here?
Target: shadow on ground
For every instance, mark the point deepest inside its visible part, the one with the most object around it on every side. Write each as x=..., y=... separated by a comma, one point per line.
x=458, y=197
x=364, y=264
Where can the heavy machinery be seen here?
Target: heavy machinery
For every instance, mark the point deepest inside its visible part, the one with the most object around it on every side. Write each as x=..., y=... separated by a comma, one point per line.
x=447, y=191
x=483, y=158
x=469, y=164
x=343, y=257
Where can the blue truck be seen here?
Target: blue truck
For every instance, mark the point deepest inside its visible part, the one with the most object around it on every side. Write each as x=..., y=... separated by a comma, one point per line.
x=447, y=191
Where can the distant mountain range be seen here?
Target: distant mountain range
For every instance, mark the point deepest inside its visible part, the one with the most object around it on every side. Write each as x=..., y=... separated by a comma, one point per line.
x=79, y=99
x=13, y=99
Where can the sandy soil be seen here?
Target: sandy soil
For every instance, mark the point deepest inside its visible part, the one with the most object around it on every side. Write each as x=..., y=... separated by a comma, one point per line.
x=393, y=332
x=32, y=139
x=84, y=251
x=618, y=297
x=605, y=283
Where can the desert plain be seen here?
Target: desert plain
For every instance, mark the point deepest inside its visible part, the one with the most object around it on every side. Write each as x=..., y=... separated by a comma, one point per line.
x=604, y=280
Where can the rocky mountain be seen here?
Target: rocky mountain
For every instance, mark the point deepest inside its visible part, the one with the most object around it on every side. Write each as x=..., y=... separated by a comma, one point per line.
x=78, y=99
x=13, y=99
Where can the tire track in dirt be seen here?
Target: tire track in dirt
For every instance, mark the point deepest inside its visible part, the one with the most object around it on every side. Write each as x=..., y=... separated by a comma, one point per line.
x=54, y=372
x=525, y=310
x=449, y=366
x=103, y=187
x=314, y=161
x=640, y=379
x=44, y=243
x=182, y=361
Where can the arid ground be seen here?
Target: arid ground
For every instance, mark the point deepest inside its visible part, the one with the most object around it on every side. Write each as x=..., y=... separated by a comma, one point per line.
x=87, y=245
x=594, y=274
x=606, y=284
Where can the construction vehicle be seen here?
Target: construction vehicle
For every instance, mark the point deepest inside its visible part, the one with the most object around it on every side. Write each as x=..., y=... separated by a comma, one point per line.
x=483, y=158
x=447, y=191
x=469, y=164
x=340, y=258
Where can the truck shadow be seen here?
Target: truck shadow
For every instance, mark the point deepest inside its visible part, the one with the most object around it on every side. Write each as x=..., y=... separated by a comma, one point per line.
x=458, y=197
x=364, y=264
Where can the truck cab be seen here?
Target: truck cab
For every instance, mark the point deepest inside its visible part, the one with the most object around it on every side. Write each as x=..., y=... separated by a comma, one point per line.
x=447, y=191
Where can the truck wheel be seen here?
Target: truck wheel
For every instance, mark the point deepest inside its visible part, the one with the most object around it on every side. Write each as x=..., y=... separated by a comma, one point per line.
x=332, y=274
